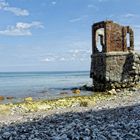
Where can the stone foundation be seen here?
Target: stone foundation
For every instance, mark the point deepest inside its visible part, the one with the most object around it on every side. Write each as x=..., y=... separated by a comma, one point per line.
x=115, y=70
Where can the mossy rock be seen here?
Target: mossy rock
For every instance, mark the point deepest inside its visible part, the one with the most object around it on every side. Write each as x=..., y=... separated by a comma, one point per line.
x=28, y=99
x=32, y=106
x=84, y=104
x=76, y=91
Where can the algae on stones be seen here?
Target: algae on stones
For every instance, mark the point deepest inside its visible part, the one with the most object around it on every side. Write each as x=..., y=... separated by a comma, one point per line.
x=33, y=106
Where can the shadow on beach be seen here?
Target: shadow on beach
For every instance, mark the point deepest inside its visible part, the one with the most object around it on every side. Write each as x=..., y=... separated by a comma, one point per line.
x=106, y=124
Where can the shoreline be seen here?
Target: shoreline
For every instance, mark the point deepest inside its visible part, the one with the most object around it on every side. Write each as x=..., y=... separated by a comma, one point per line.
x=99, y=116
x=97, y=99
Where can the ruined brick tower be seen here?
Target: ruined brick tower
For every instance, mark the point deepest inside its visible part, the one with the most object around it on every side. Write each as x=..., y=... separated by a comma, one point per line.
x=114, y=63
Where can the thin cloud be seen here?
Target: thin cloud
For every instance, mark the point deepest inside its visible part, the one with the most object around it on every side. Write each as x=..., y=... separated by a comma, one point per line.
x=53, y=2
x=75, y=19
x=17, y=11
x=127, y=16
x=62, y=59
x=49, y=59
x=93, y=7
x=71, y=55
x=78, y=19
x=130, y=15
x=21, y=29
x=90, y=5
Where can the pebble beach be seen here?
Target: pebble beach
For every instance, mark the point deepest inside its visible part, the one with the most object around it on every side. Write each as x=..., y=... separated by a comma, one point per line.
x=111, y=117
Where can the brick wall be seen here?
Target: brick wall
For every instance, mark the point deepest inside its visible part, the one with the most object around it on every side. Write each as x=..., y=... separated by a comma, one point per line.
x=115, y=37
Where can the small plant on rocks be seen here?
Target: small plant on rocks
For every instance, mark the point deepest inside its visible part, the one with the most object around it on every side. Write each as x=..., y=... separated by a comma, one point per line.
x=84, y=104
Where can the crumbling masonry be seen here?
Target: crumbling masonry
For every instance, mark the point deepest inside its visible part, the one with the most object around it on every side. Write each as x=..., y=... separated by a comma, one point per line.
x=114, y=63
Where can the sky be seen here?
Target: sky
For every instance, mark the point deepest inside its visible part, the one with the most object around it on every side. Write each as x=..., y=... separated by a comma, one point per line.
x=55, y=35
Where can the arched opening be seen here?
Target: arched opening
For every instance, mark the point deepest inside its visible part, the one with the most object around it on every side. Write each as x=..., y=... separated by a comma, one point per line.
x=128, y=40
x=100, y=39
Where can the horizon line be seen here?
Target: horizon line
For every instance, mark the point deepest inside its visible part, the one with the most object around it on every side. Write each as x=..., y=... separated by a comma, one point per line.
x=46, y=71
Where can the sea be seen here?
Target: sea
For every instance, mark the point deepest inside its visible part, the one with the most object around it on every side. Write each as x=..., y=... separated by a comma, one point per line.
x=46, y=85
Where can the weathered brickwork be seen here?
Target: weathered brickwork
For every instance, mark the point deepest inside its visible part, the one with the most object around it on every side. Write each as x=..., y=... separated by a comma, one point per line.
x=117, y=66
x=114, y=38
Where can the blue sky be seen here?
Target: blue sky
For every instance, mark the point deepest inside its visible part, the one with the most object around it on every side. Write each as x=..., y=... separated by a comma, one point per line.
x=55, y=35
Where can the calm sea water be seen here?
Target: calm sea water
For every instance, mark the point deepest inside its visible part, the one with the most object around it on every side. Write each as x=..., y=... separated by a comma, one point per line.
x=40, y=84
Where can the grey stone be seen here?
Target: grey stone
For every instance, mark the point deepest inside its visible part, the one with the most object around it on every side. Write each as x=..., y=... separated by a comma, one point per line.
x=120, y=70
x=112, y=92
x=6, y=135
